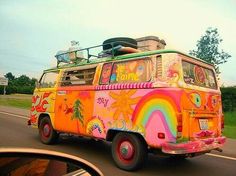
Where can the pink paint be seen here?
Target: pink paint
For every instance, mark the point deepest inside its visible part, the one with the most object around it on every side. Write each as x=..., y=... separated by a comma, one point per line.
x=193, y=146
x=102, y=100
x=208, y=141
x=155, y=125
x=125, y=86
x=84, y=94
x=205, y=133
x=222, y=140
x=97, y=134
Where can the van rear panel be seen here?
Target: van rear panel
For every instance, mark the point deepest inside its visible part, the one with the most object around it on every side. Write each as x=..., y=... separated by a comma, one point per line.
x=204, y=112
x=201, y=120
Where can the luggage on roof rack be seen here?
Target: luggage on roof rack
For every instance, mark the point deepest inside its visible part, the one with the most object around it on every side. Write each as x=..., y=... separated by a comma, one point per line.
x=110, y=48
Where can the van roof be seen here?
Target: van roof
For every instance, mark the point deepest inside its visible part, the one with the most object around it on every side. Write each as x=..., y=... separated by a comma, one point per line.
x=123, y=57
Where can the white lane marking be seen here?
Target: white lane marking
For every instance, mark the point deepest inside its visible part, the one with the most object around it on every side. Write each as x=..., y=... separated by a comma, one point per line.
x=221, y=156
x=20, y=116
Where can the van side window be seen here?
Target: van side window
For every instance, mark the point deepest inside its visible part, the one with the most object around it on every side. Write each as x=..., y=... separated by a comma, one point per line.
x=106, y=73
x=78, y=77
x=131, y=71
x=48, y=80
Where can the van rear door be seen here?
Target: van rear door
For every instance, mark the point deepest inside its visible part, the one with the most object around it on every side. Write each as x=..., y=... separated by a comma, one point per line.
x=202, y=101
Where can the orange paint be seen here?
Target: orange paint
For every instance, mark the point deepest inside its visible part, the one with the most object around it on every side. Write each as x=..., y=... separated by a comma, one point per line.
x=179, y=102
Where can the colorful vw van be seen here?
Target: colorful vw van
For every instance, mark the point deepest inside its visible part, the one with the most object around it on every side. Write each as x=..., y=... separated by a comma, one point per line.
x=160, y=101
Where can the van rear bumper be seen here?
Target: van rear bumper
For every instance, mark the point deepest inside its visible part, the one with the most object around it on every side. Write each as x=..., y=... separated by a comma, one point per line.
x=202, y=145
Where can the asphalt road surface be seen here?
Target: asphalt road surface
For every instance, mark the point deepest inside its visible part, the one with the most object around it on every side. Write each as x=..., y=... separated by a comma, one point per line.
x=14, y=132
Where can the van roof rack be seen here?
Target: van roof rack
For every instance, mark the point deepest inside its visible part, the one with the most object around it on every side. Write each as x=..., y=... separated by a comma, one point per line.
x=64, y=56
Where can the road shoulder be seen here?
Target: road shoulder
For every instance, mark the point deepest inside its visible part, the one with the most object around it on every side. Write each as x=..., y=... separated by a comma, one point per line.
x=13, y=110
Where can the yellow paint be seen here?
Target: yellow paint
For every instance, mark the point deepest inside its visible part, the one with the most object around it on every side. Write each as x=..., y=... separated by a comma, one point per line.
x=123, y=103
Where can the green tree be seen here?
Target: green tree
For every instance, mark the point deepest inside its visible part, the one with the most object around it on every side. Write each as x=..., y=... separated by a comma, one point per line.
x=208, y=49
x=23, y=80
x=32, y=82
x=10, y=76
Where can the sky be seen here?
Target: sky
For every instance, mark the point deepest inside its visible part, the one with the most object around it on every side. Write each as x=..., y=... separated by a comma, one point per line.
x=31, y=32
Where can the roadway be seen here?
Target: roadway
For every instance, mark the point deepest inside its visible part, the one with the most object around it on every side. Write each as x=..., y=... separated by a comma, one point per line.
x=14, y=132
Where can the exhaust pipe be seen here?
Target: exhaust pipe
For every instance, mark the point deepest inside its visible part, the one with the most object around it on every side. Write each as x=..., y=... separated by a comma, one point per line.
x=219, y=149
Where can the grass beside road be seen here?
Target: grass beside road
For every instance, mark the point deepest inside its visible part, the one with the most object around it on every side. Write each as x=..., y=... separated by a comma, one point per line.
x=18, y=101
x=17, y=96
x=230, y=118
x=230, y=131
x=230, y=124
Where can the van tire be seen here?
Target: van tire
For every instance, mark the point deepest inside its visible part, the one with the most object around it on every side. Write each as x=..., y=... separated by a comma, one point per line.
x=124, y=41
x=129, y=152
x=46, y=132
x=179, y=157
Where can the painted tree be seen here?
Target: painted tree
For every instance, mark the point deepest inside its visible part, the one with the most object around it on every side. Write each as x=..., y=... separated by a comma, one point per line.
x=77, y=111
x=208, y=49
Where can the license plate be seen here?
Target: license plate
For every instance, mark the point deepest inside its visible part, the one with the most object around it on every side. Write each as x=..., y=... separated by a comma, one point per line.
x=203, y=124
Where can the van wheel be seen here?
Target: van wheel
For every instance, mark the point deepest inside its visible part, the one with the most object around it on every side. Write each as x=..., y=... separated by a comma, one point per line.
x=128, y=151
x=46, y=132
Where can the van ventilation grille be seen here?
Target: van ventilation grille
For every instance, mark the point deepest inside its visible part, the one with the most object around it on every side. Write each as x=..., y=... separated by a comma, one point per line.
x=159, y=66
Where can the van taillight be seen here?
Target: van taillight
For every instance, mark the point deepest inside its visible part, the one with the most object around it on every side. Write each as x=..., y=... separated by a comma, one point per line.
x=179, y=125
x=179, y=128
x=222, y=121
x=161, y=135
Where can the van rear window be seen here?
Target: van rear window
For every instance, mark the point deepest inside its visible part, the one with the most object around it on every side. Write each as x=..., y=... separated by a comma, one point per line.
x=131, y=71
x=199, y=76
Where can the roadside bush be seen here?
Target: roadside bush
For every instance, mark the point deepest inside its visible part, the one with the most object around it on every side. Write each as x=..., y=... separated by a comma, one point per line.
x=228, y=98
x=25, y=89
x=22, y=84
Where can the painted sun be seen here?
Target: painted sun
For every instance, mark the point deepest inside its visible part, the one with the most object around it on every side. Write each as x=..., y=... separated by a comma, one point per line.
x=123, y=103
